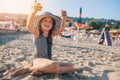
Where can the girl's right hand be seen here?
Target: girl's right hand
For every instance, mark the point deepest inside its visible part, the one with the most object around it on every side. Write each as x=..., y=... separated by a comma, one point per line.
x=37, y=7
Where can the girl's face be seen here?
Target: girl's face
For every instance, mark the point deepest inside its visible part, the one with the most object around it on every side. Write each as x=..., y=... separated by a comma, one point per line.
x=47, y=23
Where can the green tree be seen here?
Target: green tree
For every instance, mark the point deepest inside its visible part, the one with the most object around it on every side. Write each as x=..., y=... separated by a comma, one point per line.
x=94, y=24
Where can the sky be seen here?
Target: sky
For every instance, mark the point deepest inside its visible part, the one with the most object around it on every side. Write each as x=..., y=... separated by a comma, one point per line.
x=108, y=9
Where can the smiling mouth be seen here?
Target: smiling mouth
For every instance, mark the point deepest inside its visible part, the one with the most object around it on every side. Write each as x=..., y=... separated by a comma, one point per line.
x=46, y=26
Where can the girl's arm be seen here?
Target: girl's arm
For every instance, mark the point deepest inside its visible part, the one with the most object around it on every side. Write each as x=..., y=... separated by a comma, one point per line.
x=30, y=21
x=63, y=24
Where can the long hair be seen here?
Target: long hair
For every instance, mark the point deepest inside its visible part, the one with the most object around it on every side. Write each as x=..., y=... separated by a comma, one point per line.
x=49, y=38
x=50, y=32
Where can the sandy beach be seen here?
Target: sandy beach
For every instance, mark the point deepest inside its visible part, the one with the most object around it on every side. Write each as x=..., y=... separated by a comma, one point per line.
x=94, y=61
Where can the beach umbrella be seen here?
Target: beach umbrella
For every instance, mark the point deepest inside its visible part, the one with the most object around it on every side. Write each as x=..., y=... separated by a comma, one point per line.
x=79, y=20
x=95, y=32
x=69, y=20
x=114, y=32
x=86, y=27
x=105, y=35
x=73, y=28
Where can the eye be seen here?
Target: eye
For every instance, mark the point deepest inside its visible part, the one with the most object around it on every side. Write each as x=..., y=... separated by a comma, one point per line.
x=45, y=20
x=50, y=21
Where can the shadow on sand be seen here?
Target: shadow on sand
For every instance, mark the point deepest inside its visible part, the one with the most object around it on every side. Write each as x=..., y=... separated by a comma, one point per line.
x=5, y=38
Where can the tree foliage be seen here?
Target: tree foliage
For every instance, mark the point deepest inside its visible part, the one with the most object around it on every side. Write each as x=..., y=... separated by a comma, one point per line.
x=99, y=24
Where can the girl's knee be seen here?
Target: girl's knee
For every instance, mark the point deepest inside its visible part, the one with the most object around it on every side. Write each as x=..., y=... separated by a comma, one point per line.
x=56, y=67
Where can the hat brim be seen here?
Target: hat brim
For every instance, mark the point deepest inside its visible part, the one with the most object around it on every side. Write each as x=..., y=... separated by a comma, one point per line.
x=56, y=19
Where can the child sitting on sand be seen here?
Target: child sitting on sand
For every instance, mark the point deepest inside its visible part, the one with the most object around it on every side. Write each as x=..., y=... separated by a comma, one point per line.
x=44, y=28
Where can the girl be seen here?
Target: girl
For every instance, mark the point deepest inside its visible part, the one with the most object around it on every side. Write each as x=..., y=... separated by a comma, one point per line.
x=44, y=28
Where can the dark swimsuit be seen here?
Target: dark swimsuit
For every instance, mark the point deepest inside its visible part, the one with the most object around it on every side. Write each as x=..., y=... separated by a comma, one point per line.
x=43, y=46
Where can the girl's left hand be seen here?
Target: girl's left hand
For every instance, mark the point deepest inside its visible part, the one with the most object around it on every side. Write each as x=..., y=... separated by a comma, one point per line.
x=63, y=14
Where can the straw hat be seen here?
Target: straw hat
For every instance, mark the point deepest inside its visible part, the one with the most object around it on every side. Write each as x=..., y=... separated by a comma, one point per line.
x=48, y=14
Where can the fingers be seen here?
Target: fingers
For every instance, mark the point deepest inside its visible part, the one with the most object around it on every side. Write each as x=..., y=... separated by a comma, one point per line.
x=37, y=7
x=63, y=13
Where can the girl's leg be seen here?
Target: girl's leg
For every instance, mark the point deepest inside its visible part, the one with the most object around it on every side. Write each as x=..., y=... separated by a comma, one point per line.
x=65, y=68
x=53, y=68
x=20, y=71
x=49, y=66
x=44, y=66
x=35, y=73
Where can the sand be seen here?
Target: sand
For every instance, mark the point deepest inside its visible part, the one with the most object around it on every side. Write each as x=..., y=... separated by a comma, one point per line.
x=94, y=61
